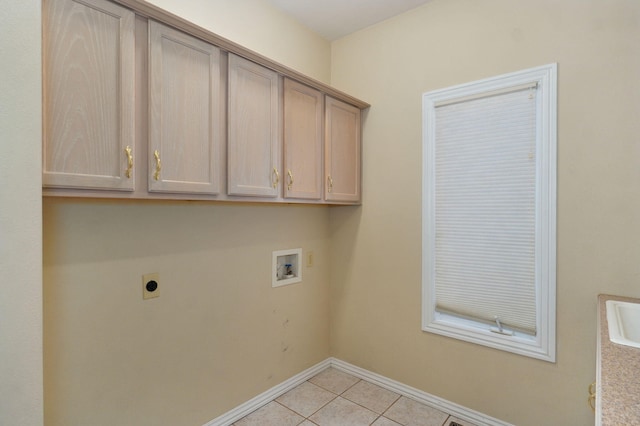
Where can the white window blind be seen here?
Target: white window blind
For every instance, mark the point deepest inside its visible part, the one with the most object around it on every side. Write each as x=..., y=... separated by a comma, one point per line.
x=485, y=216
x=488, y=212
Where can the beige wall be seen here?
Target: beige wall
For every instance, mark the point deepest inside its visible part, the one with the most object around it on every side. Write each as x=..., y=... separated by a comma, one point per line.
x=219, y=334
x=375, y=255
x=21, y=397
x=257, y=25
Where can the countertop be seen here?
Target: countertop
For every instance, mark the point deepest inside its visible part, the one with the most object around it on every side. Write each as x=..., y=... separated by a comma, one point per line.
x=618, y=382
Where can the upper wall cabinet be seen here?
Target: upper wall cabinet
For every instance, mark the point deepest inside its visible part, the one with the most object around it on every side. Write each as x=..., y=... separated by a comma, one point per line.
x=342, y=160
x=303, y=122
x=88, y=95
x=254, y=143
x=184, y=113
x=141, y=104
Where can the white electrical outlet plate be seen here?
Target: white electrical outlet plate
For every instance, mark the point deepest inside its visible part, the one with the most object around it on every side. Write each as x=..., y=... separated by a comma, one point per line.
x=309, y=259
x=150, y=285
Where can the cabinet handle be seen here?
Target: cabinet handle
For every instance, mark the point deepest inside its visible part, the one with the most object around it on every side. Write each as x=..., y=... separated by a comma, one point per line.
x=290, y=184
x=592, y=396
x=127, y=151
x=277, y=181
x=330, y=183
x=156, y=174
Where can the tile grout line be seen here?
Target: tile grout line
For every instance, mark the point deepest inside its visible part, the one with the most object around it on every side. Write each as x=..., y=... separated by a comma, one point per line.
x=389, y=407
x=367, y=408
x=341, y=395
x=333, y=399
x=329, y=402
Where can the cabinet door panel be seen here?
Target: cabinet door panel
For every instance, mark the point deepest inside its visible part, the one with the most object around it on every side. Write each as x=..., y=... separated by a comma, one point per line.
x=254, y=146
x=303, y=112
x=88, y=95
x=342, y=151
x=184, y=121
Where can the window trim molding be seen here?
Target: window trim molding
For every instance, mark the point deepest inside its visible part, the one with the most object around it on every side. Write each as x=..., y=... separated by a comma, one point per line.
x=543, y=345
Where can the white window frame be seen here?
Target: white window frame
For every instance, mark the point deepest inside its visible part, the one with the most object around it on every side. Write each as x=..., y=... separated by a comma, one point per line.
x=543, y=344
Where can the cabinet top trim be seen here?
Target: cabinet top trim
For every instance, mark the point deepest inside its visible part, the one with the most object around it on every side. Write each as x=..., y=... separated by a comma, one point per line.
x=151, y=11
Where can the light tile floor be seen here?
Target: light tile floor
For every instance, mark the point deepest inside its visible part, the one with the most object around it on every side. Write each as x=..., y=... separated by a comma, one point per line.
x=335, y=398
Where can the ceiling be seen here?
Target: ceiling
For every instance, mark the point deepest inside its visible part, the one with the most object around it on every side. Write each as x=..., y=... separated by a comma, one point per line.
x=333, y=19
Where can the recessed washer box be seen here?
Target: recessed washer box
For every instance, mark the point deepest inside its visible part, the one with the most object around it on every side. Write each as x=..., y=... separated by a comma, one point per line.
x=286, y=267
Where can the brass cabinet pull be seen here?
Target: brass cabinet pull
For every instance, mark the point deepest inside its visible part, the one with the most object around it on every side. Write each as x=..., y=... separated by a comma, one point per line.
x=156, y=174
x=290, y=184
x=330, y=183
x=277, y=181
x=127, y=151
x=592, y=396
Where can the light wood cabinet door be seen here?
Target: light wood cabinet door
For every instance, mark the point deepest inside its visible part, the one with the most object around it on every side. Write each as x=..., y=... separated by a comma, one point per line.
x=254, y=144
x=342, y=151
x=303, y=113
x=184, y=113
x=88, y=101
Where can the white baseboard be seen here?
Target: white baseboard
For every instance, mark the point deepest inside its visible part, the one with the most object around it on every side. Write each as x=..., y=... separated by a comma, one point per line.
x=264, y=398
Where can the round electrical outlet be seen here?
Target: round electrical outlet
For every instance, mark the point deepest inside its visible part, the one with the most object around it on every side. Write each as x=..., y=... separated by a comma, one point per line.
x=152, y=286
